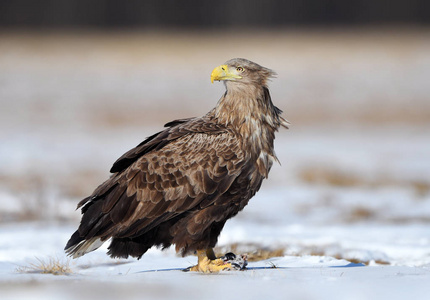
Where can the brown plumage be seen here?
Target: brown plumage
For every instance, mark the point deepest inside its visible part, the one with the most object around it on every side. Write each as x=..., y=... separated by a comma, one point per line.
x=182, y=184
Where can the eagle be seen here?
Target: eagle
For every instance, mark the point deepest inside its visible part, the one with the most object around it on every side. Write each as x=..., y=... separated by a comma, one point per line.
x=180, y=185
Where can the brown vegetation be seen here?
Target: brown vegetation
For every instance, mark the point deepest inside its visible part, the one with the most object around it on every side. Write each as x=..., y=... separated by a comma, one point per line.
x=53, y=266
x=253, y=251
x=340, y=178
x=256, y=252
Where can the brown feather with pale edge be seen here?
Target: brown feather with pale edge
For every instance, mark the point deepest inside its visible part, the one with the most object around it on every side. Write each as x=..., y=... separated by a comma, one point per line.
x=182, y=184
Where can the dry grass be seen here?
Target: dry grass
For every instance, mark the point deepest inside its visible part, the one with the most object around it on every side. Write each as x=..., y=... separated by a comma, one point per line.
x=53, y=266
x=329, y=177
x=329, y=251
x=40, y=196
x=339, y=178
x=81, y=183
x=257, y=252
x=359, y=213
x=31, y=190
x=78, y=184
x=356, y=260
x=253, y=251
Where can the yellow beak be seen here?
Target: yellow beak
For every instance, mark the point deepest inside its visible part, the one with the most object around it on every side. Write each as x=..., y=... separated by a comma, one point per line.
x=223, y=73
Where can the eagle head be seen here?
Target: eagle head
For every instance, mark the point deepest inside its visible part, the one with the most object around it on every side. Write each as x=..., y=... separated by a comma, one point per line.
x=242, y=71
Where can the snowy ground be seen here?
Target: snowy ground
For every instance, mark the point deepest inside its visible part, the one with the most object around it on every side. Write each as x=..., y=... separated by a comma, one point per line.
x=158, y=275
x=349, y=209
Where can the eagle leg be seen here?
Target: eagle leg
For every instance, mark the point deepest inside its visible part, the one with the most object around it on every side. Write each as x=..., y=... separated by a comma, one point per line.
x=209, y=263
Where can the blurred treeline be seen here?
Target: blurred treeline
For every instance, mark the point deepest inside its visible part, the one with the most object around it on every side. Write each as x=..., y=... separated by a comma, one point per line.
x=103, y=14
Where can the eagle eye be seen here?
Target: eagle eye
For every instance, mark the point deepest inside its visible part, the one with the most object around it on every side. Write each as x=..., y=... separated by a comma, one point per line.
x=239, y=69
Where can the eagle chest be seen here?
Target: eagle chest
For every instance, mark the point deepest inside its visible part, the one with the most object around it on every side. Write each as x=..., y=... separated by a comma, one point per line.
x=249, y=181
x=258, y=144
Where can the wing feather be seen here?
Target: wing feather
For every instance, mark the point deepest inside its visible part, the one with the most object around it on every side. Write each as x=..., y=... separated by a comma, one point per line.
x=112, y=198
x=159, y=140
x=191, y=170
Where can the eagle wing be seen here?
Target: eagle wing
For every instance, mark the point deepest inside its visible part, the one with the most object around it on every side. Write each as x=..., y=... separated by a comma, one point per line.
x=186, y=167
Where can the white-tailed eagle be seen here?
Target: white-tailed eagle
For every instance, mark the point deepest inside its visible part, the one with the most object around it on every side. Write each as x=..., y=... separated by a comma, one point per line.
x=180, y=185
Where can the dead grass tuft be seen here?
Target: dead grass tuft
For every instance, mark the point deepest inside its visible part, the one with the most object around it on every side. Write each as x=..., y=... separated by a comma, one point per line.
x=53, y=266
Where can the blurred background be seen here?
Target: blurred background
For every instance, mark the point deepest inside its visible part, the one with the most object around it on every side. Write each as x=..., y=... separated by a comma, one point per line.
x=82, y=82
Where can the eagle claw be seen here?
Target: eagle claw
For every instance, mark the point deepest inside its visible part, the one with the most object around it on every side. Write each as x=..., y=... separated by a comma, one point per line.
x=228, y=262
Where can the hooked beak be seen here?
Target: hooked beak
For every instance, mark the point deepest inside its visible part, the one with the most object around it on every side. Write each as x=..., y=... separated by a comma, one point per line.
x=223, y=72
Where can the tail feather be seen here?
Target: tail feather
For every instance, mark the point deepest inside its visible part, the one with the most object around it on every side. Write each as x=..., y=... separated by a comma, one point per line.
x=78, y=246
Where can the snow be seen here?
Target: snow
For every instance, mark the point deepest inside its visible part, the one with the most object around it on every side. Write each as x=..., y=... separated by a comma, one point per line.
x=158, y=276
x=349, y=206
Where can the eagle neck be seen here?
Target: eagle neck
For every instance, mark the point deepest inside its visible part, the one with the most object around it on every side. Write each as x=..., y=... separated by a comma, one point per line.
x=249, y=111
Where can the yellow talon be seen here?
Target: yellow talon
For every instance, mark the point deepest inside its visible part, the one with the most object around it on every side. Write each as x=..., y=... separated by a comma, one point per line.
x=208, y=263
